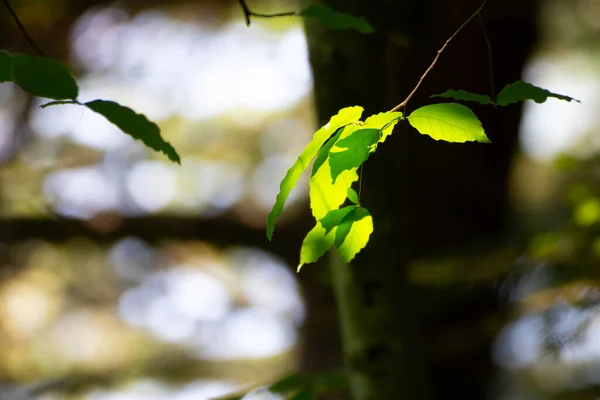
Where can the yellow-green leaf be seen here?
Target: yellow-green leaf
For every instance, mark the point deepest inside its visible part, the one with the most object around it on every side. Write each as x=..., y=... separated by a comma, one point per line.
x=352, y=196
x=315, y=244
x=450, y=122
x=353, y=232
x=385, y=121
x=344, y=117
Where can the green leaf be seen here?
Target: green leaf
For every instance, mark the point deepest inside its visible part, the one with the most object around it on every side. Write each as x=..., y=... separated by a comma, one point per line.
x=315, y=244
x=43, y=77
x=134, y=124
x=385, y=122
x=520, y=91
x=335, y=217
x=336, y=20
x=289, y=383
x=357, y=147
x=304, y=394
x=5, y=67
x=463, y=95
x=352, y=196
x=353, y=233
x=326, y=195
x=450, y=122
x=324, y=152
x=587, y=212
x=344, y=117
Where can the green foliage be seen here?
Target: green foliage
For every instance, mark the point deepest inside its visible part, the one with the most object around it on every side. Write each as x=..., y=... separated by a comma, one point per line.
x=520, y=91
x=353, y=232
x=450, y=122
x=5, y=67
x=353, y=196
x=344, y=117
x=355, y=149
x=463, y=95
x=336, y=20
x=134, y=124
x=40, y=76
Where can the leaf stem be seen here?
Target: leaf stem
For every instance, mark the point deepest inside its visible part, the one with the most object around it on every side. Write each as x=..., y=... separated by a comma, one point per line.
x=439, y=53
x=249, y=13
x=28, y=38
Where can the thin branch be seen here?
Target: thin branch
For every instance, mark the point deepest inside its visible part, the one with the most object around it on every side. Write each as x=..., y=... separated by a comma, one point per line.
x=249, y=13
x=490, y=57
x=439, y=53
x=22, y=28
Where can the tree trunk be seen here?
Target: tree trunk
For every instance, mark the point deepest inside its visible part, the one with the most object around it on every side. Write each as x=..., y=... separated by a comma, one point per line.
x=425, y=196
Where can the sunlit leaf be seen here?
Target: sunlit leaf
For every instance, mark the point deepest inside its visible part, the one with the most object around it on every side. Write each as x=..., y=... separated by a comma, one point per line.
x=353, y=233
x=356, y=149
x=344, y=117
x=134, y=124
x=43, y=77
x=352, y=196
x=519, y=91
x=450, y=122
x=334, y=218
x=384, y=121
x=336, y=20
x=326, y=195
x=315, y=244
x=587, y=212
x=5, y=67
x=463, y=95
x=323, y=155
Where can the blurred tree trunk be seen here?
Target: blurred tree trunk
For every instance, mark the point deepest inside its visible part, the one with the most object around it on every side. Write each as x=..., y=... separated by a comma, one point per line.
x=425, y=196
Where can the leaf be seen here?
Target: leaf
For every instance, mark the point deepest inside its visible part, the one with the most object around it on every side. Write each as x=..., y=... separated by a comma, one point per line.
x=357, y=147
x=519, y=91
x=353, y=233
x=463, y=95
x=352, y=196
x=134, y=124
x=385, y=122
x=326, y=195
x=289, y=383
x=304, y=394
x=5, y=67
x=344, y=117
x=43, y=77
x=336, y=20
x=450, y=122
x=324, y=152
x=587, y=213
x=335, y=217
x=315, y=244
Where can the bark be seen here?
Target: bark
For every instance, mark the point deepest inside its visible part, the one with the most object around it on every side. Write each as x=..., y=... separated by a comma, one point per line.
x=425, y=196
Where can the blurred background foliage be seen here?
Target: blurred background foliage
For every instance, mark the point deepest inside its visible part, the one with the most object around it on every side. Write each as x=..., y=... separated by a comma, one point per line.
x=133, y=278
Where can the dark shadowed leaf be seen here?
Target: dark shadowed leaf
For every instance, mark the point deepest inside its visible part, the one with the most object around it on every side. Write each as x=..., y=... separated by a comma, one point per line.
x=43, y=77
x=290, y=383
x=357, y=147
x=520, y=91
x=134, y=124
x=463, y=95
x=5, y=67
x=450, y=122
x=336, y=20
x=304, y=394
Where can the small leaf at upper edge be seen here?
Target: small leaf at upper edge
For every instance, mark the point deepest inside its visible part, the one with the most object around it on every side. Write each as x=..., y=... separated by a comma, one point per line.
x=43, y=77
x=450, y=122
x=344, y=117
x=337, y=20
x=463, y=95
x=134, y=124
x=519, y=91
x=353, y=196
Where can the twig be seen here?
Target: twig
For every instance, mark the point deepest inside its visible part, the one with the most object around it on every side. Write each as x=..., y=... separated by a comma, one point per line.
x=22, y=28
x=490, y=57
x=439, y=53
x=249, y=13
